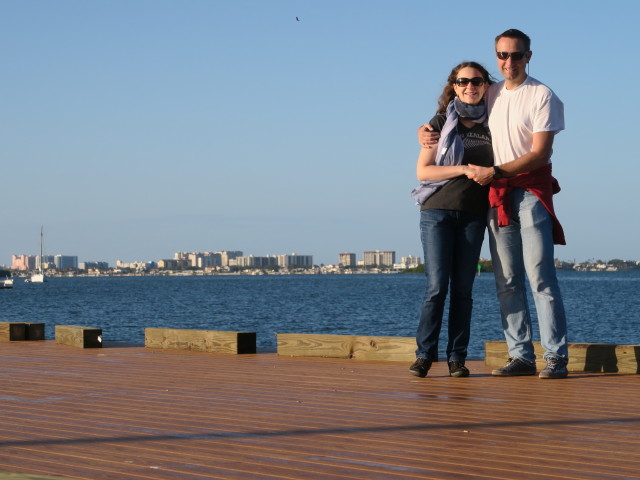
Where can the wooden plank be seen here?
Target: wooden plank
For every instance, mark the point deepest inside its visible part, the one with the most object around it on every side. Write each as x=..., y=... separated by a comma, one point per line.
x=583, y=357
x=12, y=331
x=201, y=340
x=79, y=336
x=394, y=349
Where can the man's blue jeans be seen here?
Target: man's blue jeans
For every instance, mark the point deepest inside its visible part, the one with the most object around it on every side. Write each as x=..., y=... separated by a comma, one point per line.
x=451, y=241
x=525, y=246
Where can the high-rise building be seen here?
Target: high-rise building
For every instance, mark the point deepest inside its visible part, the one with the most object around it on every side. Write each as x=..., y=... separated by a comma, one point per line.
x=348, y=259
x=295, y=261
x=388, y=258
x=210, y=259
x=65, y=262
x=379, y=259
x=226, y=257
x=23, y=262
x=256, y=262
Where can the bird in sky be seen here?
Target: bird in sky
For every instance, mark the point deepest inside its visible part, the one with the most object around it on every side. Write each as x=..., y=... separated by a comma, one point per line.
x=297, y=19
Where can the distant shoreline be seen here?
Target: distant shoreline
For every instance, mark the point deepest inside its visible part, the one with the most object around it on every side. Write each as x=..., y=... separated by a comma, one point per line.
x=200, y=273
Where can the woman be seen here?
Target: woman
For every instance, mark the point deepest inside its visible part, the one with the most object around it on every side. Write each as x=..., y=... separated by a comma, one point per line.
x=452, y=215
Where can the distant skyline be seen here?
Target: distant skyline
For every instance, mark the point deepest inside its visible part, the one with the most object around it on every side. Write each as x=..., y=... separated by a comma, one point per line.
x=359, y=256
x=133, y=130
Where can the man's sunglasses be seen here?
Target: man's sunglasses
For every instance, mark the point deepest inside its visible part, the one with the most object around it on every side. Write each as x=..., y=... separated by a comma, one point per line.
x=475, y=81
x=515, y=56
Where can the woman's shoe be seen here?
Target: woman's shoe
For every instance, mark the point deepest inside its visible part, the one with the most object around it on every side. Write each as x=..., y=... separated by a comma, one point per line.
x=457, y=369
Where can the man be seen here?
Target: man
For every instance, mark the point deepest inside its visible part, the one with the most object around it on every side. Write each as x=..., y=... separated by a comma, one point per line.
x=524, y=116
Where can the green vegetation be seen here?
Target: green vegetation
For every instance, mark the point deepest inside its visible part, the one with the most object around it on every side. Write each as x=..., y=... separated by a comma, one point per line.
x=485, y=266
x=418, y=269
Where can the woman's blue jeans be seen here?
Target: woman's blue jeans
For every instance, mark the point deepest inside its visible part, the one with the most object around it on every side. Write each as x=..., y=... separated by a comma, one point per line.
x=525, y=247
x=451, y=241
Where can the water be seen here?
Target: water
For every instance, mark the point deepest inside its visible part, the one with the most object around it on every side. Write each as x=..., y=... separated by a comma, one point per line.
x=601, y=306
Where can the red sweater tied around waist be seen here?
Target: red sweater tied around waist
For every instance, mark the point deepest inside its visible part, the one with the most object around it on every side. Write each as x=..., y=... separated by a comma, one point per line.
x=541, y=183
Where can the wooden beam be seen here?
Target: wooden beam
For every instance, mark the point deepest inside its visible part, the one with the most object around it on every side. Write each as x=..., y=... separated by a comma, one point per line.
x=79, y=336
x=201, y=340
x=20, y=331
x=394, y=349
x=583, y=357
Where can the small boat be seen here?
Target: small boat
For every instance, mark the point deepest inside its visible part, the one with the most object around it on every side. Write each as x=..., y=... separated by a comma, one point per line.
x=38, y=277
x=5, y=279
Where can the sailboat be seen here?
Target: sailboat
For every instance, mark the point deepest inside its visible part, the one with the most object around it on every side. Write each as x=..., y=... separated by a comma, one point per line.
x=38, y=277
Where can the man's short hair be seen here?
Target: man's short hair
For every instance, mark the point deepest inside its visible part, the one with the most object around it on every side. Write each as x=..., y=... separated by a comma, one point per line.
x=517, y=34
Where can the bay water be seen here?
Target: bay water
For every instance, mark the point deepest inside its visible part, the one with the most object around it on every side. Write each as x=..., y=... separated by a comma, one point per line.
x=601, y=306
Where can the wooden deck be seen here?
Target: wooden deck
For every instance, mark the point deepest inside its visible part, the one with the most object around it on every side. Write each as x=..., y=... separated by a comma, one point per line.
x=137, y=413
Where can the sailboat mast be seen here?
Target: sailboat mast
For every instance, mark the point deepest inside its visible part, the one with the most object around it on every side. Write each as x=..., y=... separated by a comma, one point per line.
x=41, y=246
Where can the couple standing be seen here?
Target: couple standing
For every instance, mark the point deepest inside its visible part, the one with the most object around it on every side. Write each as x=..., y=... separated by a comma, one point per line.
x=491, y=167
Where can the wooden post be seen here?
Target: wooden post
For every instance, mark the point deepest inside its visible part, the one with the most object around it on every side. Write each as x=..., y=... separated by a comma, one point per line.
x=79, y=336
x=394, y=349
x=201, y=340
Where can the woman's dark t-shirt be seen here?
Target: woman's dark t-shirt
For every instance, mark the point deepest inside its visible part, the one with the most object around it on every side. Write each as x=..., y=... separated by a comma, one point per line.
x=460, y=193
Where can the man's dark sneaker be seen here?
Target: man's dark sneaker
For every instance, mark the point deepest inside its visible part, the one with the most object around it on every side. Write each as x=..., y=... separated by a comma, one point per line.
x=457, y=369
x=515, y=367
x=556, y=368
x=420, y=367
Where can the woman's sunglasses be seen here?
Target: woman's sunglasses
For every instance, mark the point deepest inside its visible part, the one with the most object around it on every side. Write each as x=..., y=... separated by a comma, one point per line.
x=515, y=56
x=475, y=81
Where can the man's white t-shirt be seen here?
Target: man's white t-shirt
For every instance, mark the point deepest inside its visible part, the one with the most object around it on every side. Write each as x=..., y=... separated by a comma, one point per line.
x=515, y=115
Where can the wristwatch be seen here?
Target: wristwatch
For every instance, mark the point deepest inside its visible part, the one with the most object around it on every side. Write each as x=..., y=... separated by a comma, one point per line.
x=497, y=173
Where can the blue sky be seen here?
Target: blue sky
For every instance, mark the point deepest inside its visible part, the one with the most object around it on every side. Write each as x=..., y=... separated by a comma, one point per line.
x=132, y=129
